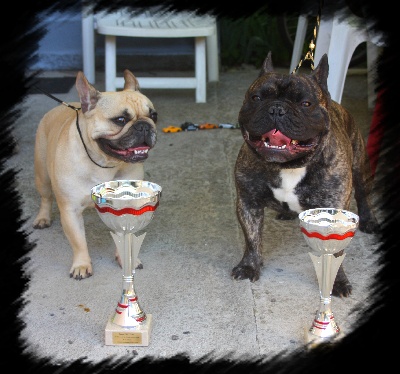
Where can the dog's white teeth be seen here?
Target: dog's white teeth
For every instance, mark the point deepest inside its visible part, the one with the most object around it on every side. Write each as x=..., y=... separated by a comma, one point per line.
x=294, y=142
x=141, y=151
x=275, y=146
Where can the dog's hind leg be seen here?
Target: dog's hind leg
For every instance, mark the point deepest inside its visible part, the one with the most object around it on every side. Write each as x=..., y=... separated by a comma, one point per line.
x=43, y=218
x=43, y=183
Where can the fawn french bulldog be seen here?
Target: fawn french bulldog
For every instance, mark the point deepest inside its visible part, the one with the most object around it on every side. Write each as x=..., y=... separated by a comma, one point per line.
x=107, y=136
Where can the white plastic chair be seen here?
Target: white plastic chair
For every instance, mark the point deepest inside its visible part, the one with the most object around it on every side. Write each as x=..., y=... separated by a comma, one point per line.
x=153, y=24
x=338, y=37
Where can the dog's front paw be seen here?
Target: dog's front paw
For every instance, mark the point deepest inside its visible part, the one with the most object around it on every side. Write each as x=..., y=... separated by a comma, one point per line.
x=246, y=272
x=80, y=272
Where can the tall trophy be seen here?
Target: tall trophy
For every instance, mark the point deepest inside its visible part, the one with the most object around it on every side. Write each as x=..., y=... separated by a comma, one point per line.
x=127, y=206
x=327, y=231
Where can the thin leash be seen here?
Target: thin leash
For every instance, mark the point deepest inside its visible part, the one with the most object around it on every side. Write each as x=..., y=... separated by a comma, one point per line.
x=77, y=123
x=310, y=53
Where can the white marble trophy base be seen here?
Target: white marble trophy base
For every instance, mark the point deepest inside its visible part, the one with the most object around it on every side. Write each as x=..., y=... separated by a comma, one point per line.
x=138, y=336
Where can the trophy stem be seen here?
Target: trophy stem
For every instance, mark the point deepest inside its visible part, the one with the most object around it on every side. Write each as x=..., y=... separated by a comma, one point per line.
x=128, y=312
x=324, y=326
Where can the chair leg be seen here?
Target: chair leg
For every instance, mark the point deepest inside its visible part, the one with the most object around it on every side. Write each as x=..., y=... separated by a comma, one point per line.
x=213, y=57
x=88, y=47
x=110, y=62
x=200, y=69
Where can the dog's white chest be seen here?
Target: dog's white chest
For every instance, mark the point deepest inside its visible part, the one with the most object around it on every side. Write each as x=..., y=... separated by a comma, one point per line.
x=285, y=193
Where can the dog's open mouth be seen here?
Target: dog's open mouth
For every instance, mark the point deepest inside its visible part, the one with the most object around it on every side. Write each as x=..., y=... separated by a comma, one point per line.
x=275, y=142
x=131, y=154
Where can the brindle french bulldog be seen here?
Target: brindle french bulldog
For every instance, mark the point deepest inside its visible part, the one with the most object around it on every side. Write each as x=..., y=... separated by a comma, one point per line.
x=301, y=150
x=107, y=137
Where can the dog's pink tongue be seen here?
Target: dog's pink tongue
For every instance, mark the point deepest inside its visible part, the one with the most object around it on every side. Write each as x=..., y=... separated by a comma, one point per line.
x=276, y=138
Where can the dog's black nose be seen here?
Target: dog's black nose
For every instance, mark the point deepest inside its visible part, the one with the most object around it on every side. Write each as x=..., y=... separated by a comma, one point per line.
x=141, y=126
x=276, y=110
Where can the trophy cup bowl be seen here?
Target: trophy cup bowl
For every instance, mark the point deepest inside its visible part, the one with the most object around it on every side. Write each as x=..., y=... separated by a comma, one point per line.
x=327, y=231
x=125, y=207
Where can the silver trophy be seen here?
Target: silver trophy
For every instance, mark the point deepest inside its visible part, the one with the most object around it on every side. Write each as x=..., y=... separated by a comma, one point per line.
x=127, y=206
x=327, y=231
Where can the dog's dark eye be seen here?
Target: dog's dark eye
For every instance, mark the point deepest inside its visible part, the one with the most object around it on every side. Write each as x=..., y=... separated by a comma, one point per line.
x=153, y=116
x=256, y=98
x=120, y=121
x=306, y=103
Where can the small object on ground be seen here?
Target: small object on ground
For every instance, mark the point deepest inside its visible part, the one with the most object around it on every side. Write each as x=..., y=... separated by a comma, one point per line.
x=189, y=126
x=171, y=129
x=226, y=126
x=207, y=126
x=192, y=127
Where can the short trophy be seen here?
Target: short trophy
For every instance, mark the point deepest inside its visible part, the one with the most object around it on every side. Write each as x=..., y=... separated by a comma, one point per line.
x=127, y=206
x=327, y=231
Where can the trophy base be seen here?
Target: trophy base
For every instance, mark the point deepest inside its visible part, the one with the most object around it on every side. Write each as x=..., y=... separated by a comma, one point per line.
x=137, y=337
x=313, y=340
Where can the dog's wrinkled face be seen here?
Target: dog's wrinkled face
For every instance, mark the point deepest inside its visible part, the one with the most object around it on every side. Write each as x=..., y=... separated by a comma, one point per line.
x=123, y=124
x=285, y=116
x=128, y=131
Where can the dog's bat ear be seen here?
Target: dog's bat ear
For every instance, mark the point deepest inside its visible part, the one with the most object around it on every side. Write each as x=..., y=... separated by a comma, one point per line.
x=320, y=73
x=87, y=93
x=131, y=83
x=267, y=65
